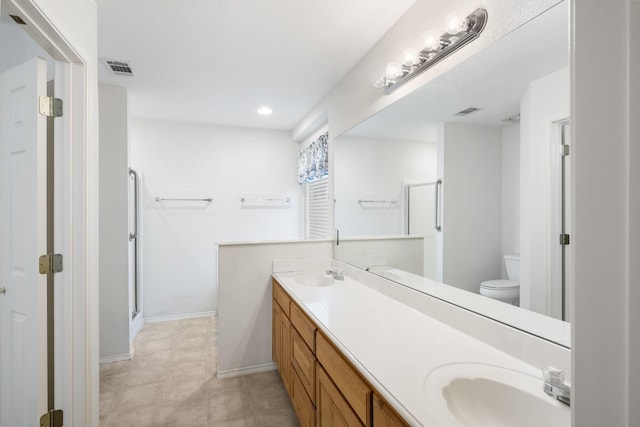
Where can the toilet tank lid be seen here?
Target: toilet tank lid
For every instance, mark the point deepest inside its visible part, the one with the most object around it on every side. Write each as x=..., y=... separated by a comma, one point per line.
x=499, y=284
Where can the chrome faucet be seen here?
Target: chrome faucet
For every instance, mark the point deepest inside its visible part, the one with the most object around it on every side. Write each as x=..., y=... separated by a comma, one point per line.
x=555, y=386
x=337, y=273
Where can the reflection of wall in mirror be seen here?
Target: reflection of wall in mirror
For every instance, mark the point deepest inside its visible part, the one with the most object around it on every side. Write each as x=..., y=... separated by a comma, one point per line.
x=470, y=166
x=377, y=166
x=546, y=100
x=381, y=253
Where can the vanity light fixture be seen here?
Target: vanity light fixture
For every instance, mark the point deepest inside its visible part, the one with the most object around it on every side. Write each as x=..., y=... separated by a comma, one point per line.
x=459, y=32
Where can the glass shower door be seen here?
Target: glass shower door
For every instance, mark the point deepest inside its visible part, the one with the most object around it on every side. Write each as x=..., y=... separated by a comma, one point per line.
x=422, y=219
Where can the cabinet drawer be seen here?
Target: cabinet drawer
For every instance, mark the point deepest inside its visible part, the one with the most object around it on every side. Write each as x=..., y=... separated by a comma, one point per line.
x=301, y=403
x=354, y=389
x=281, y=296
x=304, y=325
x=304, y=363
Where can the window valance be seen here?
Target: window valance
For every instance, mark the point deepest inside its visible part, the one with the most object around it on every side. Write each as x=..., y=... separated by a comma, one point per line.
x=313, y=161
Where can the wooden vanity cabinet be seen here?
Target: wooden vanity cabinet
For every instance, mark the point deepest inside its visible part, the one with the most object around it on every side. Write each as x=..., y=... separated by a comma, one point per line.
x=325, y=389
x=281, y=334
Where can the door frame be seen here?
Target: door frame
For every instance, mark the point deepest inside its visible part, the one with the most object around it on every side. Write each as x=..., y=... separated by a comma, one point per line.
x=76, y=217
x=558, y=271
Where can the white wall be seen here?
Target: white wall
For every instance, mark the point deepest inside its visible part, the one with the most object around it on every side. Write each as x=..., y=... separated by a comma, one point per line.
x=546, y=100
x=634, y=212
x=605, y=134
x=374, y=168
x=114, y=225
x=196, y=160
x=244, y=314
x=510, y=191
x=470, y=166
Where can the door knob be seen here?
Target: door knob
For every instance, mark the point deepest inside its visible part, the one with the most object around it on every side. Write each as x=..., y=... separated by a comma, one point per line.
x=3, y=291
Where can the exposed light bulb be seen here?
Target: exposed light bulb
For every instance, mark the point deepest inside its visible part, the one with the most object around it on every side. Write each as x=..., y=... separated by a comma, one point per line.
x=381, y=82
x=393, y=70
x=431, y=41
x=410, y=57
x=456, y=24
x=264, y=111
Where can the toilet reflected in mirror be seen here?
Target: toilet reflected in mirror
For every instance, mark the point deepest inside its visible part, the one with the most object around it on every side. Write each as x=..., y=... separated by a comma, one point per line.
x=505, y=290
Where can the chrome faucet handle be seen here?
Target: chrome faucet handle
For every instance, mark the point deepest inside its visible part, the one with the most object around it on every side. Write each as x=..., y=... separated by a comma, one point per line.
x=555, y=386
x=553, y=375
x=337, y=273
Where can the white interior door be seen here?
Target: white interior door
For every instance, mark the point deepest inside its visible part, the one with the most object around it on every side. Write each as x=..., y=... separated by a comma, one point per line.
x=23, y=312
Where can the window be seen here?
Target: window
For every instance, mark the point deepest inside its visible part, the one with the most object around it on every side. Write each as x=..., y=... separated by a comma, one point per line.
x=317, y=209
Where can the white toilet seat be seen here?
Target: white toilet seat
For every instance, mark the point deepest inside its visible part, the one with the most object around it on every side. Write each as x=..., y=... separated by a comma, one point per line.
x=502, y=290
x=500, y=284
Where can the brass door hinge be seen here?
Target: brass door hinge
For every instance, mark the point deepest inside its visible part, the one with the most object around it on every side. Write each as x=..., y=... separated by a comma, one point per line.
x=53, y=418
x=49, y=106
x=50, y=263
x=565, y=239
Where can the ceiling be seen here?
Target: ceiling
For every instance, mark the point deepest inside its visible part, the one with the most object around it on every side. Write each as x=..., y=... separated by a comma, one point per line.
x=493, y=80
x=218, y=61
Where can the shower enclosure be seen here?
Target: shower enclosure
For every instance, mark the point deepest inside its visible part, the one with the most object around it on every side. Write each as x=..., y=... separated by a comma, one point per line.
x=422, y=216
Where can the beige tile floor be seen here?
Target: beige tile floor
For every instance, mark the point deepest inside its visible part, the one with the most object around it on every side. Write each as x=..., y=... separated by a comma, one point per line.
x=171, y=381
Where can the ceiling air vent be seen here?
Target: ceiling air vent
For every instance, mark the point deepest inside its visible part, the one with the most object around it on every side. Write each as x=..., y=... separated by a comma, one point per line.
x=121, y=68
x=467, y=111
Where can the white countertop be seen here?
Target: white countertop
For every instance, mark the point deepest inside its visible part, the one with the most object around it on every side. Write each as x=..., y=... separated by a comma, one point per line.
x=394, y=346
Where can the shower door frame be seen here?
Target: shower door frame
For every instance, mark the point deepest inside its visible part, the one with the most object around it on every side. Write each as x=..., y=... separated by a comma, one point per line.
x=135, y=237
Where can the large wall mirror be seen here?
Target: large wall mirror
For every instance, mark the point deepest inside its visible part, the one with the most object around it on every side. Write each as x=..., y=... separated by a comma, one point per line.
x=462, y=189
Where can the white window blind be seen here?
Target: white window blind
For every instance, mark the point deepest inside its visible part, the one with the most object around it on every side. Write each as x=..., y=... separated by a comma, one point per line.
x=317, y=209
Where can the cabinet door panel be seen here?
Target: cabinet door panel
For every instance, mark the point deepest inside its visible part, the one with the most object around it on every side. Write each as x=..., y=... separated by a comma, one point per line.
x=283, y=299
x=332, y=410
x=285, y=357
x=384, y=415
x=355, y=390
x=301, y=403
x=276, y=333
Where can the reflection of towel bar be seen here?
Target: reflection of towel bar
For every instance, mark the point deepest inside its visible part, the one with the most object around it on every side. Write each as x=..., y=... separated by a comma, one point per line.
x=284, y=200
x=376, y=201
x=162, y=199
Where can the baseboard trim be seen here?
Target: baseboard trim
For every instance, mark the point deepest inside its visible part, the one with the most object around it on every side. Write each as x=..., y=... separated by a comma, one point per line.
x=116, y=358
x=238, y=372
x=179, y=316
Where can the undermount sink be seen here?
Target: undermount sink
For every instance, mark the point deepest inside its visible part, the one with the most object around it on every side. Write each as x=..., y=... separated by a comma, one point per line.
x=316, y=280
x=480, y=395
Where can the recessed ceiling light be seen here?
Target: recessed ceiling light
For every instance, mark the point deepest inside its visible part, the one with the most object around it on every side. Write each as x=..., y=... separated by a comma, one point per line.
x=265, y=111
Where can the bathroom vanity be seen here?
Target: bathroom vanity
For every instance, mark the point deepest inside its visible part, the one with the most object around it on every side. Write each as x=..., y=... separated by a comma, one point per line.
x=365, y=351
x=325, y=388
